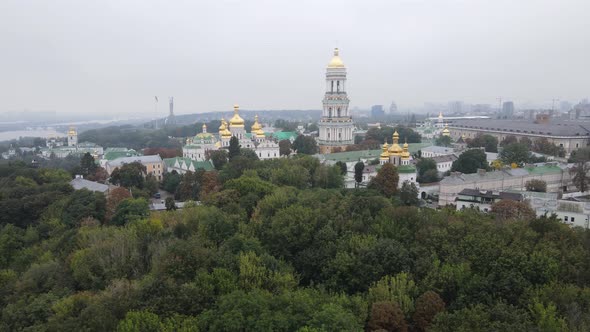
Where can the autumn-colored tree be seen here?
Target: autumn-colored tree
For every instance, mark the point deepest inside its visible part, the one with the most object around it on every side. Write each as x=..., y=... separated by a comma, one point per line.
x=387, y=316
x=507, y=209
x=209, y=183
x=115, y=197
x=386, y=180
x=99, y=175
x=428, y=305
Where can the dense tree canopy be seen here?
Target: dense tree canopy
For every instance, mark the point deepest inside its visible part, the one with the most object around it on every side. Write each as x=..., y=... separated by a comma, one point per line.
x=470, y=161
x=488, y=142
x=267, y=250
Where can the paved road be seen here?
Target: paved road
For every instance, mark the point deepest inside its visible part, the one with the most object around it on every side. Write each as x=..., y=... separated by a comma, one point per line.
x=163, y=196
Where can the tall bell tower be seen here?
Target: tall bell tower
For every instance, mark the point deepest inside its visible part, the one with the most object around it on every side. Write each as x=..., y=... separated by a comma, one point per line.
x=336, y=124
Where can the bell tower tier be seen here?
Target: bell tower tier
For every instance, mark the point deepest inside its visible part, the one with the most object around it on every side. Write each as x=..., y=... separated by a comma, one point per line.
x=335, y=126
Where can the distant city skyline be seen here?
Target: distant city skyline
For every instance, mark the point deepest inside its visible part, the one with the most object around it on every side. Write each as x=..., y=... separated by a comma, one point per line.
x=113, y=57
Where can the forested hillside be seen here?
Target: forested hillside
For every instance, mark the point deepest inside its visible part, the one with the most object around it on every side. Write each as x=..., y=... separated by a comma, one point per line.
x=278, y=246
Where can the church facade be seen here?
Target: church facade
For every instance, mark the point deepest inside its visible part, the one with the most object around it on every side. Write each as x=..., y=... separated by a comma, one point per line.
x=335, y=126
x=400, y=157
x=196, y=148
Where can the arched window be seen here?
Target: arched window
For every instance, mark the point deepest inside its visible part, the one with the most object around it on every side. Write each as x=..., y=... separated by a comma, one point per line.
x=332, y=88
x=337, y=86
x=338, y=111
x=329, y=112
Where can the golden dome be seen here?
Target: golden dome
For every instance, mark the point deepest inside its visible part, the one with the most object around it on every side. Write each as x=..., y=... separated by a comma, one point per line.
x=256, y=126
x=72, y=131
x=406, y=153
x=446, y=131
x=236, y=120
x=336, y=62
x=384, y=153
x=395, y=149
x=223, y=132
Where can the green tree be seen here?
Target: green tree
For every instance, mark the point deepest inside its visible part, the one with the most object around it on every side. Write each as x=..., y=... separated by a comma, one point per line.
x=488, y=142
x=285, y=147
x=470, y=161
x=515, y=153
x=218, y=158
x=386, y=181
x=234, y=148
x=536, y=185
x=409, y=194
x=444, y=141
x=359, y=167
x=170, y=204
x=305, y=145
x=84, y=204
x=87, y=164
x=291, y=175
x=424, y=167
x=579, y=172
x=131, y=209
x=129, y=175
x=171, y=181
x=151, y=184
x=328, y=177
x=140, y=321
x=547, y=318
x=342, y=166
x=400, y=289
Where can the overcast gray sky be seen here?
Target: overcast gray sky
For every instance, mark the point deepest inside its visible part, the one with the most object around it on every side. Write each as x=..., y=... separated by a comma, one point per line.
x=113, y=56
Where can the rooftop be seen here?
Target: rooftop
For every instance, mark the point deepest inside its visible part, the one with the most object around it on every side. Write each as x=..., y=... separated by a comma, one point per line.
x=553, y=128
x=492, y=195
x=438, y=149
x=498, y=175
x=140, y=159
x=80, y=183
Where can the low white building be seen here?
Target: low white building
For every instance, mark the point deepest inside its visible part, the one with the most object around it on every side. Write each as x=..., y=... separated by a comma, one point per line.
x=444, y=163
x=435, y=151
x=574, y=211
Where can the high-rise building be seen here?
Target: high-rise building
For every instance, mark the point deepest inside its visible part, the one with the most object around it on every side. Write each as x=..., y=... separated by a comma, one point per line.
x=336, y=122
x=377, y=111
x=507, y=109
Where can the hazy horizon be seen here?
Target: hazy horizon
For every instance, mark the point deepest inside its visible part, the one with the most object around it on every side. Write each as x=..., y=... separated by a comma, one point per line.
x=113, y=57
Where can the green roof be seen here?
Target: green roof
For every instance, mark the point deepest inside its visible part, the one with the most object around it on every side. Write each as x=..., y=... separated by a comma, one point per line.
x=406, y=169
x=282, y=135
x=115, y=153
x=368, y=154
x=546, y=169
x=206, y=165
x=353, y=155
